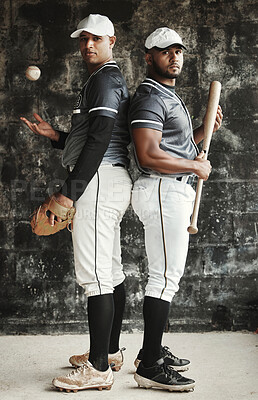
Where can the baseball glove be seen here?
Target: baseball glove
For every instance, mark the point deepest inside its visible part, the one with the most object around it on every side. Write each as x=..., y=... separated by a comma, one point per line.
x=40, y=218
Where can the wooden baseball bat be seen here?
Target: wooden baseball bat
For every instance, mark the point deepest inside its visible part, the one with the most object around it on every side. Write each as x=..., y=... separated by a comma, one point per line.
x=212, y=107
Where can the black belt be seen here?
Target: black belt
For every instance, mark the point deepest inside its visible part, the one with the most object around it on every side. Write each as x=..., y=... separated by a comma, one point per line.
x=190, y=178
x=70, y=168
x=118, y=165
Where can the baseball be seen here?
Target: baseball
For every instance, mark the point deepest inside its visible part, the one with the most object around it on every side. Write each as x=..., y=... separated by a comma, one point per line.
x=33, y=73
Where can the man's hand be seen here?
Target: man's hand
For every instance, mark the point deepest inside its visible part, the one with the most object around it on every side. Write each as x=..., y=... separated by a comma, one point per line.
x=43, y=128
x=64, y=201
x=203, y=167
x=218, y=120
x=199, y=132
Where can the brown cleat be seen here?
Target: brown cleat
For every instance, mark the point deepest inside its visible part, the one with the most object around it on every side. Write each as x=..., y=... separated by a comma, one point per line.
x=85, y=377
x=115, y=360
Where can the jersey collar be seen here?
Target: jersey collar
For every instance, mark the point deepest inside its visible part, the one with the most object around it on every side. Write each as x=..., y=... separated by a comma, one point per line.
x=107, y=64
x=161, y=88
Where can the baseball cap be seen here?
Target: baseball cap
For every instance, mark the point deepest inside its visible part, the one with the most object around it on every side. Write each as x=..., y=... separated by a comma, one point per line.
x=96, y=24
x=162, y=38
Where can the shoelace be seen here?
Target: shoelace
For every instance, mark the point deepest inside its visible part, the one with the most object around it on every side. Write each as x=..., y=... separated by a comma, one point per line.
x=170, y=372
x=78, y=370
x=167, y=352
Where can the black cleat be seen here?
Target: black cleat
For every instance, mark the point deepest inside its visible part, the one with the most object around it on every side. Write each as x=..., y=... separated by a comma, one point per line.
x=178, y=364
x=162, y=377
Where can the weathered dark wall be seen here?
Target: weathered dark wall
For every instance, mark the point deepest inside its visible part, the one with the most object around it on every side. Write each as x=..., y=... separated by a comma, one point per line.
x=219, y=289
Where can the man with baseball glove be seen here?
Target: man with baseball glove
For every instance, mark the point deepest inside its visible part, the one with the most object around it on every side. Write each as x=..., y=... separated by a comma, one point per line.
x=40, y=221
x=99, y=188
x=167, y=156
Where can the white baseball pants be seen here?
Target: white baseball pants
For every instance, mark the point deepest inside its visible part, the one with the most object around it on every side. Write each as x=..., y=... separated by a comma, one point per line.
x=164, y=205
x=96, y=230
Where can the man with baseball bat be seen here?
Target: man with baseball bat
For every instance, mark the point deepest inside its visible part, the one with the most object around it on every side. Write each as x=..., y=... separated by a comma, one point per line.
x=168, y=158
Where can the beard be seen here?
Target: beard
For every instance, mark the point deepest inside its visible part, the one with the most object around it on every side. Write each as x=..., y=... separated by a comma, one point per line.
x=162, y=73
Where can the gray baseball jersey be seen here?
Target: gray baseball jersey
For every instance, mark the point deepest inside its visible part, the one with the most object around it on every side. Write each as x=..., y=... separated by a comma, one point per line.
x=104, y=94
x=157, y=106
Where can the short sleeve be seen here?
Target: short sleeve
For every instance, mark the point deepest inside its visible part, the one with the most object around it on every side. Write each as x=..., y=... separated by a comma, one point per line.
x=104, y=95
x=147, y=112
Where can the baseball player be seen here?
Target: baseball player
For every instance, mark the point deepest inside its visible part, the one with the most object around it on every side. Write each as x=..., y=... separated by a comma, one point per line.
x=168, y=158
x=95, y=154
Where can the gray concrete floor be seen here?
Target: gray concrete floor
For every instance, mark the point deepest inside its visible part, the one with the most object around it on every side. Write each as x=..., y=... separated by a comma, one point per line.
x=224, y=365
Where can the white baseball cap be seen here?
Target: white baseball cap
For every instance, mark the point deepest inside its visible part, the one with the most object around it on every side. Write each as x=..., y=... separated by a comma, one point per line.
x=162, y=38
x=96, y=24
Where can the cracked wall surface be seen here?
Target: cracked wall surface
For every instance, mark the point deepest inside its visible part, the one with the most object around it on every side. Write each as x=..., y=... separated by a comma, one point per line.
x=219, y=289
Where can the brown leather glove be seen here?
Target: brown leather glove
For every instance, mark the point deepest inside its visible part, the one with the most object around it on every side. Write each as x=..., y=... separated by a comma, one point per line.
x=40, y=219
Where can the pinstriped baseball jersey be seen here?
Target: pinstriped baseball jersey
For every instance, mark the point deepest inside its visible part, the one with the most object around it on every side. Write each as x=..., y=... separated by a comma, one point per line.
x=104, y=94
x=157, y=106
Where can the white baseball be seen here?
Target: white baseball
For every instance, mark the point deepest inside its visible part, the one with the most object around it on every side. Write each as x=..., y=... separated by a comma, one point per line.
x=33, y=73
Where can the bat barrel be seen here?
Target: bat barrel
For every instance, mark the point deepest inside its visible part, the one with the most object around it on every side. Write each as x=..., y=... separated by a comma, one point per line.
x=211, y=112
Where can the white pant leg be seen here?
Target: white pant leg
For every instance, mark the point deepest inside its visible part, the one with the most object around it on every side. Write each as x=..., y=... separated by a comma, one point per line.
x=164, y=206
x=98, y=214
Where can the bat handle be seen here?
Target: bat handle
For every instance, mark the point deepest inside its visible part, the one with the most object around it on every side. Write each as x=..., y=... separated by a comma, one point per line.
x=192, y=229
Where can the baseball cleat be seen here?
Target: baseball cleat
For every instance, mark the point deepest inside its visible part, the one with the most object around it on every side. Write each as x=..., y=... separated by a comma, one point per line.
x=85, y=377
x=115, y=360
x=162, y=377
x=178, y=364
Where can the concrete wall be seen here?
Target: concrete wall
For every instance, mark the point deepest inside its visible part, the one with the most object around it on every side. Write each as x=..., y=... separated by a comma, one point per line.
x=38, y=292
